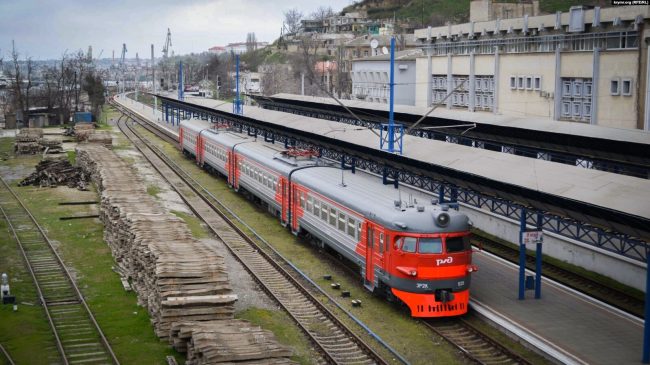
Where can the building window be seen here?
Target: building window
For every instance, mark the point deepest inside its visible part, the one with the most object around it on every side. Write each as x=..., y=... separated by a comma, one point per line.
x=566, y=88
x=365, y=53
x=513, y=82
x=587, y=89
x=614, y=87
x=529, y=82
x=520, y=82
x=537, y=83
x=577, y=88
x=626, y=85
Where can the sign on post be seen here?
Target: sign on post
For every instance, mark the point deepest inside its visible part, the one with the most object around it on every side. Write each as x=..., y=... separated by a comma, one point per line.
x=532, y=237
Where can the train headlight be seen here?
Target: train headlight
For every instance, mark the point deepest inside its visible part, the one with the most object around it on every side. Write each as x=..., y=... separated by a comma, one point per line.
x=443, y=219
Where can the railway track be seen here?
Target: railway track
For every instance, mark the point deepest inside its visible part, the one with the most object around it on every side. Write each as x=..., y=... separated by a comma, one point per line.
x=473, y=343
x=77, y=335
x=604, y=293
x=335, y=340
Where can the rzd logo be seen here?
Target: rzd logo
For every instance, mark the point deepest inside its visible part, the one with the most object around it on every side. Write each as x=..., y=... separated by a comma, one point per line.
x=448, y=260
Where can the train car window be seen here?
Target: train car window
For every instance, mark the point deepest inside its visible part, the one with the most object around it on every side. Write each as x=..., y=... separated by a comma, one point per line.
x=342, y=219
x=324, y=209
x=316, y=207
x=358, y=230
x=457, y=244
x=379, y=245
x=302, y=200
x=352, y=225
x=332, y=217
x=430, y=245
x=386, y=240
x=381, y=240
x=409, y=244
x=275, y=184
x=310, y=203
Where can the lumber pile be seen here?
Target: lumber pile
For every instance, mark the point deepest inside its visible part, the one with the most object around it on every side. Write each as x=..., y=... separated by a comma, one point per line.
x=227, y=342
x=101, y=137
x=52, y=173
x=51, y=145
x=31, y=141
x=182, y=282
x=27, y=141
x=176, y=277
x=83, y=130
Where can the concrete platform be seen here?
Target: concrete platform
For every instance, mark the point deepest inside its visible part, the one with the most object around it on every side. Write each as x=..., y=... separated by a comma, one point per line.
x=564, y=324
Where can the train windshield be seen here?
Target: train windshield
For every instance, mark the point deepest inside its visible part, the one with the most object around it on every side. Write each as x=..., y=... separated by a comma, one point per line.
x=457, y=244
x=430, y=245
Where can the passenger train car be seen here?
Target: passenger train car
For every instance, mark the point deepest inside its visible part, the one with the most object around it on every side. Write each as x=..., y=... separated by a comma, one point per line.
x=413, y=250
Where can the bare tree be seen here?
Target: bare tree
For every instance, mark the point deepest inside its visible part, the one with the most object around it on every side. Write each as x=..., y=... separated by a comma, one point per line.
x=292, y=19
x=251, y=42
x=17, y=83
x=322, y=13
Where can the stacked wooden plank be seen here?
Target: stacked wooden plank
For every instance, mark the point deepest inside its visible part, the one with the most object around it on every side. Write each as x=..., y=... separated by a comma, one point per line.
x=27, y=141
x=227, y=342
x=101, y=137
x=83, y=130
x=52, y=173
x=182, y=282
x=176, y=277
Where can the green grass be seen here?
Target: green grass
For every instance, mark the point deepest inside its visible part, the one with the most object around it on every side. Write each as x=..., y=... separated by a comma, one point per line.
x=195, y=225
x=126, y=325
x=72, y=157
x=153, y=190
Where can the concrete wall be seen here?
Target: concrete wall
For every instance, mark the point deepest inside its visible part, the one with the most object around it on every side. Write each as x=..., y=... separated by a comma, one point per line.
x=612, y=111
x=526, y=102
x=618, y=110
x=626, y=271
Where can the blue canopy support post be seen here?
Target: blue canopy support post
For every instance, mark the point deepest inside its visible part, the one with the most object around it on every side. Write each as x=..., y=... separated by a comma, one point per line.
x=522, y=254
x=441, y=194
x=391, y=127
x=646, y=325
x=237, y=106
x=538, y=258
x=181, y=86
x=166, y=107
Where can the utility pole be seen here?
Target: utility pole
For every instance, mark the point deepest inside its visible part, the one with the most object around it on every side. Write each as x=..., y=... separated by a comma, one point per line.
x=153, y=82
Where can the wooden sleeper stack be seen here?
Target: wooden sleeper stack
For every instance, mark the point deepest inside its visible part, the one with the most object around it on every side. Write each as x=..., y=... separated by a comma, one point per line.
x=182, y=282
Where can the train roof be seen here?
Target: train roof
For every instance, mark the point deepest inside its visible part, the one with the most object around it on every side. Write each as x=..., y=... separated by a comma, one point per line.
x=365, y=193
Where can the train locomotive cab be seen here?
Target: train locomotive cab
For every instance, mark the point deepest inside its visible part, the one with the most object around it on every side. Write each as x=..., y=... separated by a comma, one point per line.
x=430, y=263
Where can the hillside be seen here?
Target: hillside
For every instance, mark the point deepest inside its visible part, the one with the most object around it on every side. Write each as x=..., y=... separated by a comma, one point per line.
x=438, y=12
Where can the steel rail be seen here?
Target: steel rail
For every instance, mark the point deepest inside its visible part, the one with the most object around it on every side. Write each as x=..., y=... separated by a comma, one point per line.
x=66, y=273
x=198, y=190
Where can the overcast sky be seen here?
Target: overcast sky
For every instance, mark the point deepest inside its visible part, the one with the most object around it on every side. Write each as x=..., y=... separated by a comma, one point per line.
x=44, y=29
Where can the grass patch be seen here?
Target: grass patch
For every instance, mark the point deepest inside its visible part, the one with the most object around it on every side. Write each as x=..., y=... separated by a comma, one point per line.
x=276, y=322
x=195, y=225
x=153, y=190
x=72, y=157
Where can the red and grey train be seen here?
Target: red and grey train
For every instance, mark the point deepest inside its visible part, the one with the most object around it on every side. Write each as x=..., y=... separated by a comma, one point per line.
x=416, y=251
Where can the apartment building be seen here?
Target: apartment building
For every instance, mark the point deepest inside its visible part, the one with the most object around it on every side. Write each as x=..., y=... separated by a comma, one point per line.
x=587, y=65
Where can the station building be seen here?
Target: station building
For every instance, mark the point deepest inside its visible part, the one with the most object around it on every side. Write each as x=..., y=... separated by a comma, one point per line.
x=587, y=65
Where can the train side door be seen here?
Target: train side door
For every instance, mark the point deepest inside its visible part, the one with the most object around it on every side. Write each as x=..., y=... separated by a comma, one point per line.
x=369, y=277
